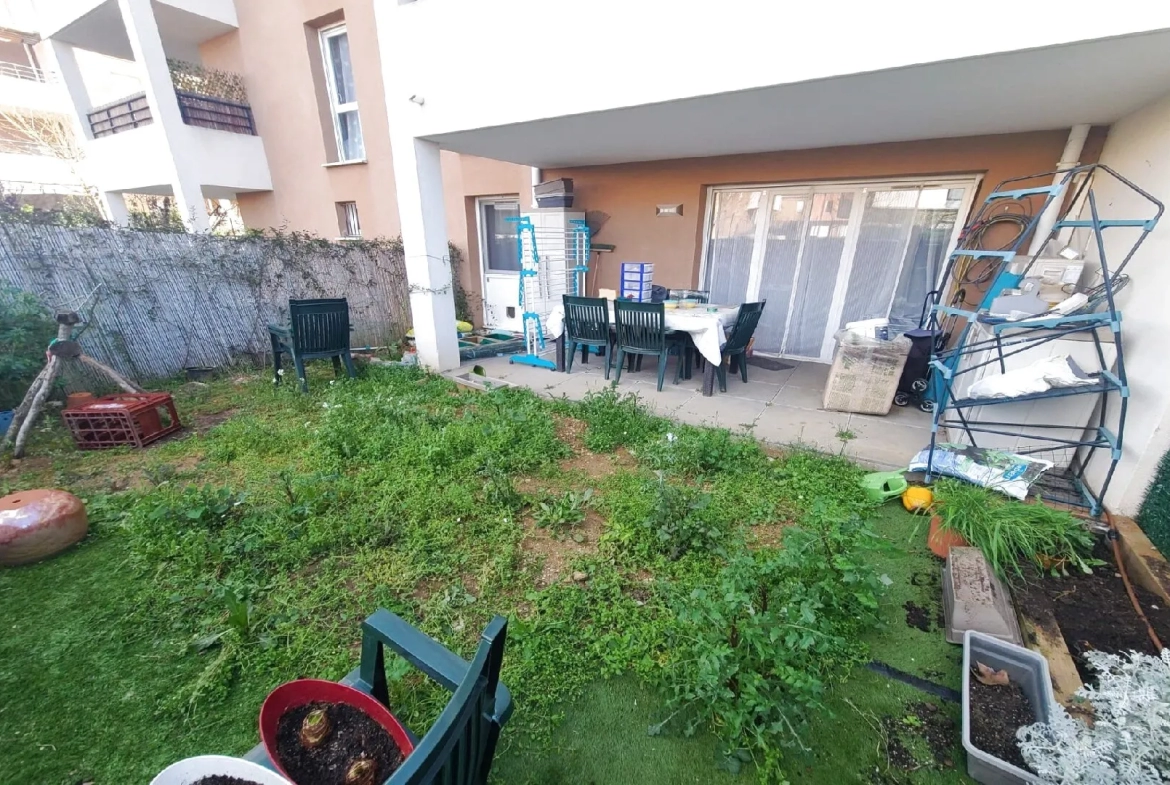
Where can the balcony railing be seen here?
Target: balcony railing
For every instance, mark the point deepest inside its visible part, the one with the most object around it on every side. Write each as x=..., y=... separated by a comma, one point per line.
x=124, y=115
x=216, y=113
x=29, y=72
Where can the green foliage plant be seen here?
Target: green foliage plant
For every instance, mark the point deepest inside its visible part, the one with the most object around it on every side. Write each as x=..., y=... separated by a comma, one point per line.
x=26, y=328
x=562, y=514
x=616, y=420
x=1011, y=533
x=753, y=654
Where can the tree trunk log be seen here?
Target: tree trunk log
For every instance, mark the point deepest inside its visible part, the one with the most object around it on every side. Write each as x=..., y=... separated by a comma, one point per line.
x=38, y=403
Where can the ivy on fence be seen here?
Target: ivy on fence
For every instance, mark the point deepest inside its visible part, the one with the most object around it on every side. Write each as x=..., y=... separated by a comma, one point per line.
x=156, y=302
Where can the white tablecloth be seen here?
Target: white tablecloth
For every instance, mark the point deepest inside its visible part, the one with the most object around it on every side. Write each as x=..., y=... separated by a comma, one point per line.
x=708, y=330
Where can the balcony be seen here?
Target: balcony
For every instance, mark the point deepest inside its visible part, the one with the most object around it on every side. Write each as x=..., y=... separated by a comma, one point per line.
x=207, y=98
x=96, y=25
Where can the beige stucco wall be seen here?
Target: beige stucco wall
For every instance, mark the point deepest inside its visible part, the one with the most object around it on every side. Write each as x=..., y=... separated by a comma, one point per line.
x=278, y=55
x=1139, y=149
x=629, y=192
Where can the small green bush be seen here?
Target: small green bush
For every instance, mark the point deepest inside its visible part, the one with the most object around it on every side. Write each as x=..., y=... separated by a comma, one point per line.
x=1154, y=515
x=26, y=328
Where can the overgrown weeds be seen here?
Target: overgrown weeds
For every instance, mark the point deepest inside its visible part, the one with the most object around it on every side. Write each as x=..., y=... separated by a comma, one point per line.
x=400, y=490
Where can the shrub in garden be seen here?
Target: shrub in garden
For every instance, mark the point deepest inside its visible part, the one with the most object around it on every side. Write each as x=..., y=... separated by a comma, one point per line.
x=1154, y=515
x=753, y=654
x=1129, y=741
x=694, y=451
x=26, y=328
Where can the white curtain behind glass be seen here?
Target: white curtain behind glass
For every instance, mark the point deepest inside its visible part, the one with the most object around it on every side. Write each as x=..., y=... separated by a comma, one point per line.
x=732, y=238
x=820, y=261
x=785, y=227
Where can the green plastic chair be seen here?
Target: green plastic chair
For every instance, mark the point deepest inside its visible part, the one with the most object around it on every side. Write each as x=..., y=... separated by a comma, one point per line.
x=586, y=325
x=735, y=350
x=461, y=745
x=317, y=329
x=641, y=331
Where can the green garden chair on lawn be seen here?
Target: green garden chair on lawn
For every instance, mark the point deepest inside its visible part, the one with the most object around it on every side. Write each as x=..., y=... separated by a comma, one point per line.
x=735, y=350
x=317, y=329
x=641, y=330
x=586, y=325
x=461, y=745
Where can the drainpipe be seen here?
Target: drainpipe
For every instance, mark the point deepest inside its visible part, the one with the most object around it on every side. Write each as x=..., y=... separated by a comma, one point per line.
x=536, y=175
x=1068, y=159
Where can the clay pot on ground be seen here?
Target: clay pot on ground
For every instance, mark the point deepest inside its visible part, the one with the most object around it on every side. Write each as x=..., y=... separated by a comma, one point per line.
x=37, y=524
x=940, y=539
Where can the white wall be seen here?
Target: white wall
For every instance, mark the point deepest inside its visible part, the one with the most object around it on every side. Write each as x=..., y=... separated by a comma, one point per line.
x=225, y=160
x=131, y=161
x=22, y=173
x=139, y=160
x=509, y=61
x=1138, y=148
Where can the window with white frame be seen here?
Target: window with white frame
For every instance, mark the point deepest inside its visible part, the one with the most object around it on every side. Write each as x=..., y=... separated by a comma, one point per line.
x=343, y=105
x=347, y=218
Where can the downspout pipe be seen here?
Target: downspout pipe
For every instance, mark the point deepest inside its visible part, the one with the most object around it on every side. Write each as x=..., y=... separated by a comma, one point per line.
x=1070, y=158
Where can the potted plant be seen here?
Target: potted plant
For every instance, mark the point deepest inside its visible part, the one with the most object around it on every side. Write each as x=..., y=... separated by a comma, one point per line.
x=217, y=770
x=323, y=733
x=1005, y=688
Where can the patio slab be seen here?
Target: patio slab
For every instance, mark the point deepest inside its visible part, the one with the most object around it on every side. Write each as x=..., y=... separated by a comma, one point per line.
x=779, y=407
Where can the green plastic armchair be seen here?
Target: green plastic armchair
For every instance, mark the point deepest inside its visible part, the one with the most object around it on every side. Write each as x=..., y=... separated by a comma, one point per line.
x=317, y=329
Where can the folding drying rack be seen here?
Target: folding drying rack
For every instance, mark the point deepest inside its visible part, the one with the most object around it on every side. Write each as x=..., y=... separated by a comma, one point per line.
x=978, y=341
x=553, y=263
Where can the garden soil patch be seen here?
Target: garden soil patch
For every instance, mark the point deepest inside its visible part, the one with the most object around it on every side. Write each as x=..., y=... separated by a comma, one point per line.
x=997, y=712
x=1094, y=611
x=222, y=779
x=557, y=553
x=354, y=734
x=917, y=616
x=583, y=461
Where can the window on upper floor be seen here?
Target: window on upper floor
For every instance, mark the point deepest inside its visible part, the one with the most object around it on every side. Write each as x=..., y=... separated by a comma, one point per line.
x=347, y=219
x=343, y=104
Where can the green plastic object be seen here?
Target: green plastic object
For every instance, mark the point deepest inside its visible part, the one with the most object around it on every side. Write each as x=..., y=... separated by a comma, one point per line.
x=881, y=486
x=317, y=329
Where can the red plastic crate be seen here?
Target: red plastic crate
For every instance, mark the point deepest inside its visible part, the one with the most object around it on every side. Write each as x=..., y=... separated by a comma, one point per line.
x=134, y=419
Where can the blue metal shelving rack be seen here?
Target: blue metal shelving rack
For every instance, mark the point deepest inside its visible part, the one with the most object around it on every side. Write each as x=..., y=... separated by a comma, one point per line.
x=965, y=353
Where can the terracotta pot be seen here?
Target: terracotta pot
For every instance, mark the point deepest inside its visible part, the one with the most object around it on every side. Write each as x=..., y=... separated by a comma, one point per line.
x=38, y=524
x=292, y=694
x=940, y=540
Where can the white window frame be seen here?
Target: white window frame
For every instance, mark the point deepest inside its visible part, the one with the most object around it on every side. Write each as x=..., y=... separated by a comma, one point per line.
x=337, y=109
x=971, y=183
x=351, y=223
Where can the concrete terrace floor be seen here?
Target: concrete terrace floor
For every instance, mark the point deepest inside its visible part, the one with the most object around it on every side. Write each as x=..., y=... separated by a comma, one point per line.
x=778, y=407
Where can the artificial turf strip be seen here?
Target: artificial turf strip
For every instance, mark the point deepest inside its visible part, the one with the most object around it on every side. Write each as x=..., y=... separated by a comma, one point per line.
x=80, y=692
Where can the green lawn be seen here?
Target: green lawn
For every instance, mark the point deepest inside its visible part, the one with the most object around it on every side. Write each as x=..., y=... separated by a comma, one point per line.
x=224, y=563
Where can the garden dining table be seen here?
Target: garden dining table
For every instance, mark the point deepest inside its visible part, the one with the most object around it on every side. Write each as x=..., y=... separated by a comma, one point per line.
x=706, y=324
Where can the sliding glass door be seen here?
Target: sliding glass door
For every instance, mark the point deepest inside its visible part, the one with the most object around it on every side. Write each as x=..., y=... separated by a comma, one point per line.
x=826, y=255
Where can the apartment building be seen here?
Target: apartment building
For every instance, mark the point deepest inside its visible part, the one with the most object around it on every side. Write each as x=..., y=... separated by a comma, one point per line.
x=279, y=108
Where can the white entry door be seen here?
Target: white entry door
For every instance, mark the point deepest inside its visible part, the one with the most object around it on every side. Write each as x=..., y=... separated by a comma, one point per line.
x=500, y=262
x=828, y=254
